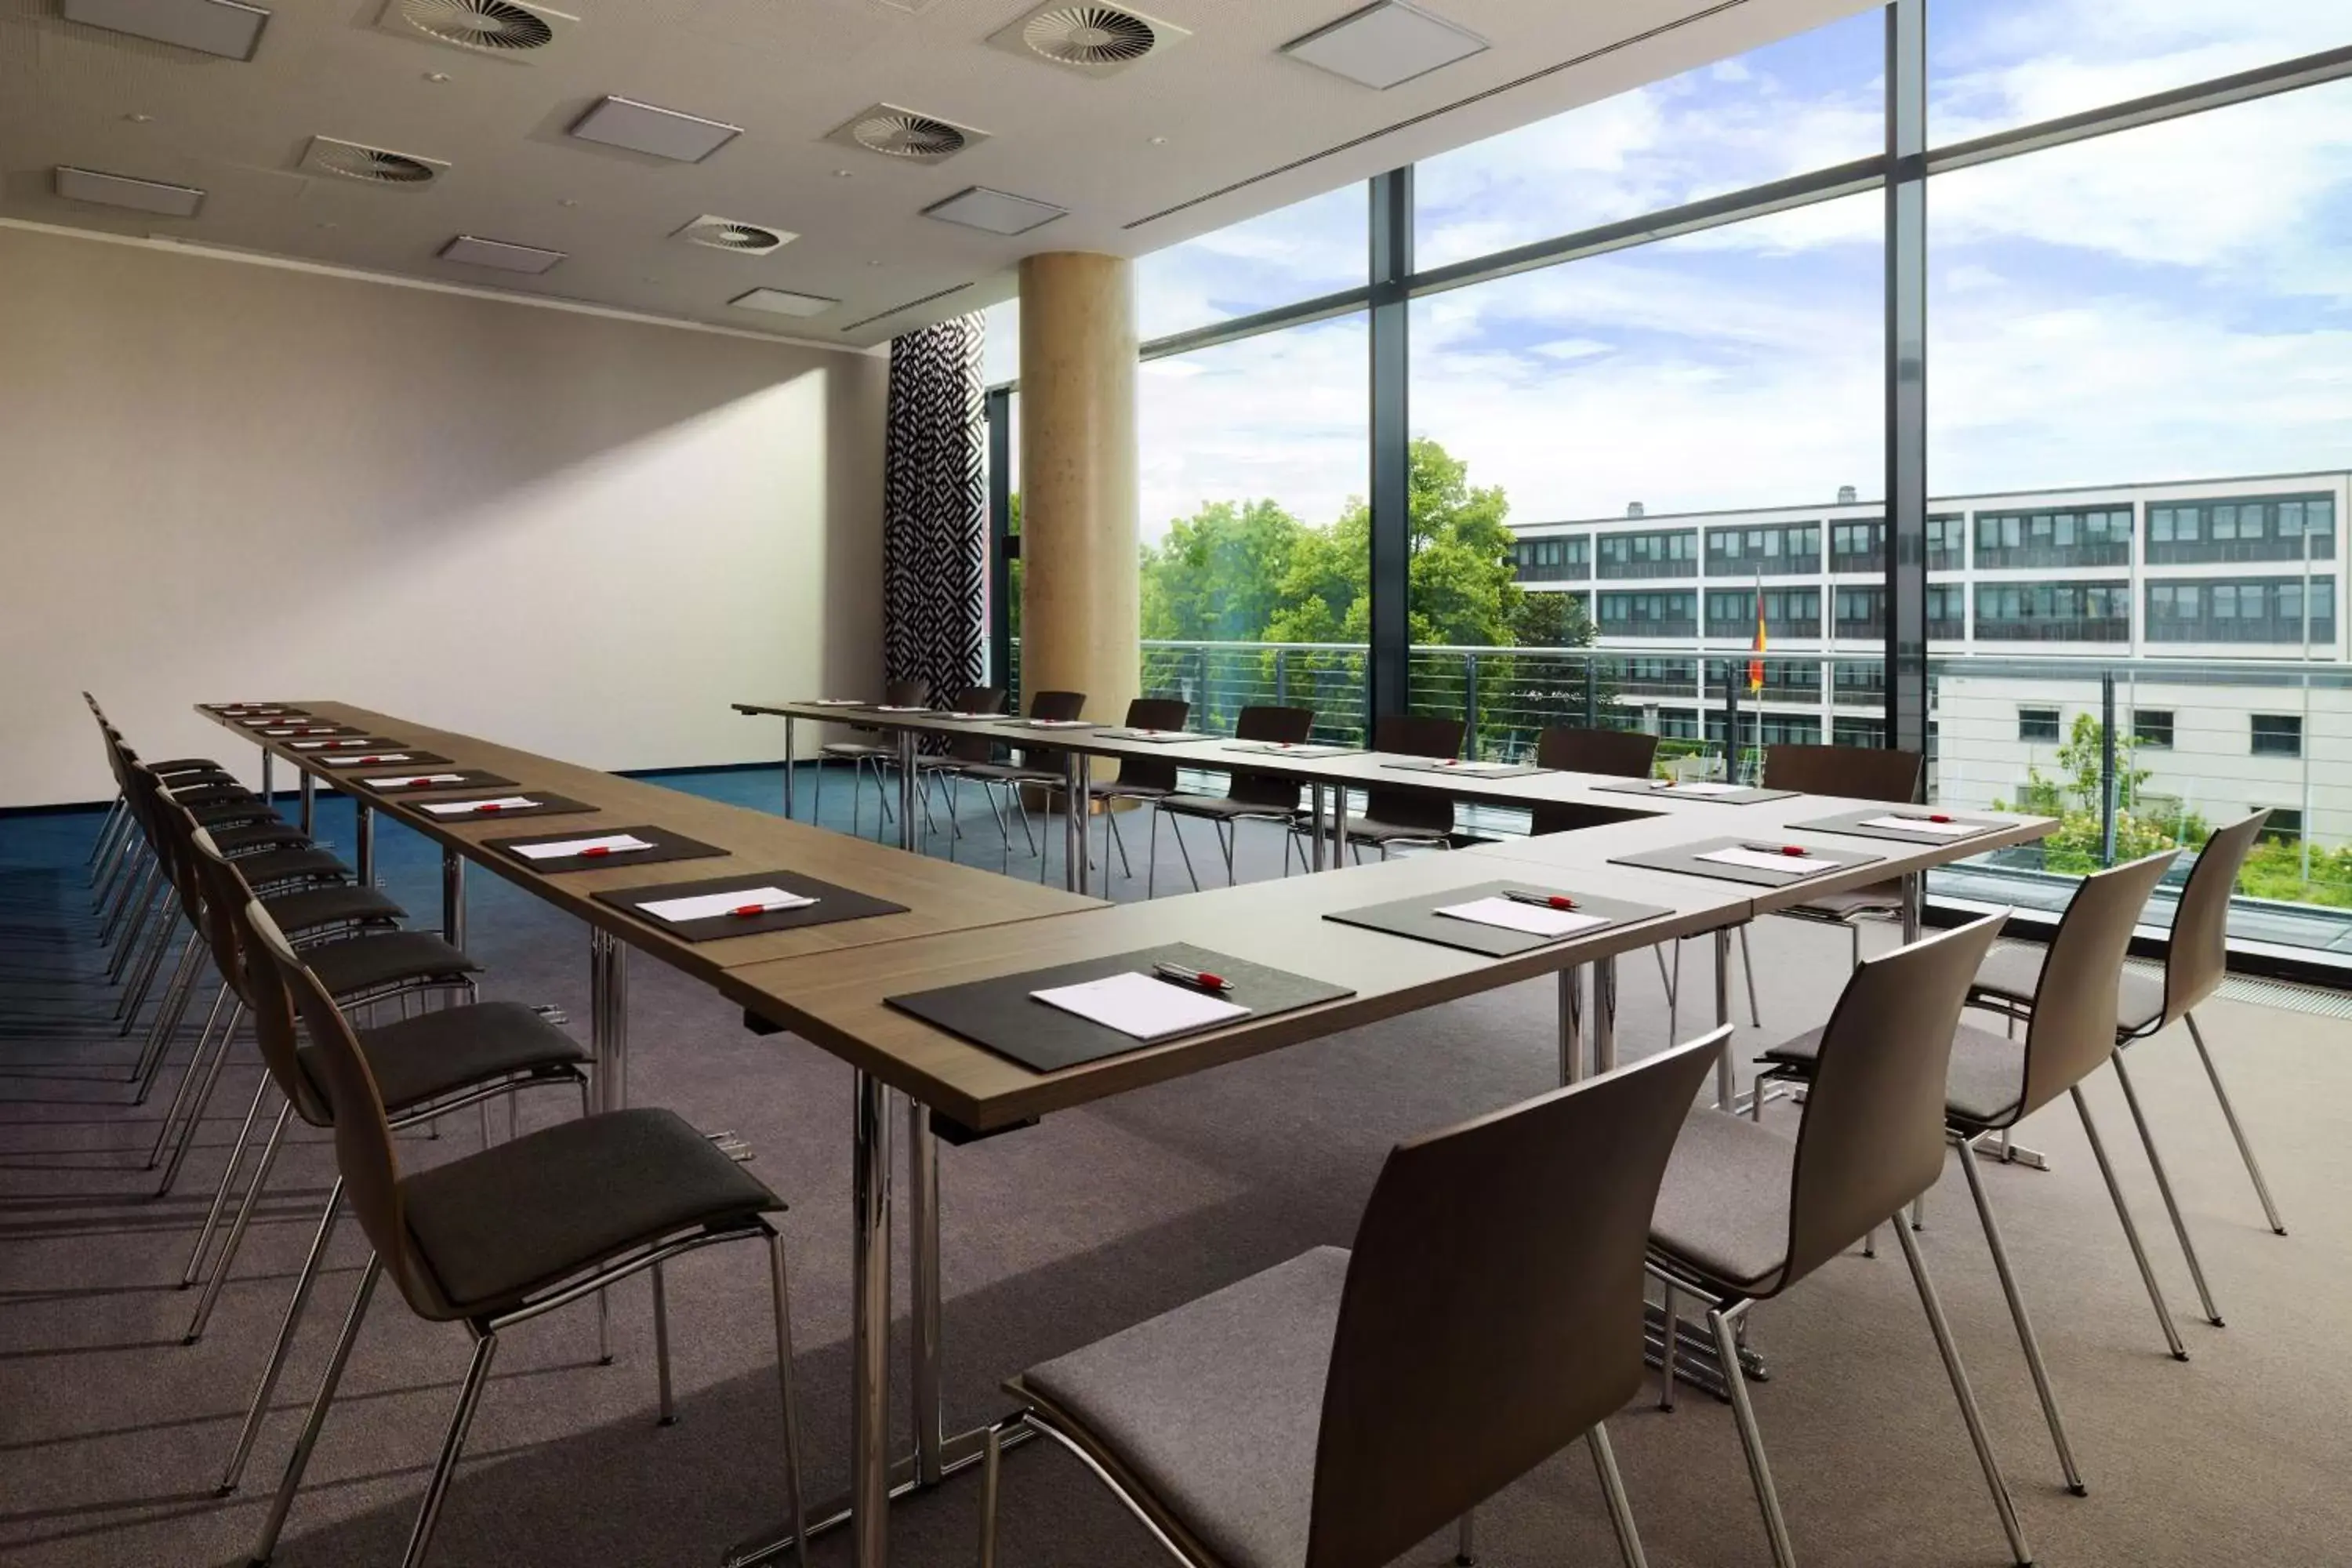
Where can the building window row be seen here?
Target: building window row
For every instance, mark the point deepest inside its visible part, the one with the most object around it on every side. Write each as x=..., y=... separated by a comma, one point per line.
x=1637, y=615
x=2267, y=734
x=1859, y=612
x=2054, y=612
x=1947, y=543
x=1777, y=549
x=2097, y=537
x=2255, y=609
x=1858, y=547
x=1948, y=612
x=1673, y=554
x=1788, y=612
x=2269, y=528
x=1564, y=559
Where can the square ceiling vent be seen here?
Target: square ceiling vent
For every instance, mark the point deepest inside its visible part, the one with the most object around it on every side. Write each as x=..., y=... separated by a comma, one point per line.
x=997, y=212
x=224, y=27
x=783, y=302
x=1386, y=44
x=123, y=191
x=907, y=135
x=499, y=254
x=502, y=29
x=658, y=132
x=1092, y=40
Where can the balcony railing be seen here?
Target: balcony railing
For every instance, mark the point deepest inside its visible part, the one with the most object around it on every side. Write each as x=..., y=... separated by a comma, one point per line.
x=2150, y=754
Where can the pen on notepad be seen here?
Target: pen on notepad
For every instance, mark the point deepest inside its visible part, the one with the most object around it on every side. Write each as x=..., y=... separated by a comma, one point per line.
x=1200, y=978
x=1541, y=900
x=1796, y=851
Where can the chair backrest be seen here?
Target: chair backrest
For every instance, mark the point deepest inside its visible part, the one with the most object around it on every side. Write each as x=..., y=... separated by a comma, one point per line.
x=1619, y=753
x=2198, y=955
x=2072, y=1030
x=1872, y=1136
x=1412, y=735
x=906, y=693
x=1286, y=726
x=364, y=1152
x=1493, y=1306
x=268, y=1002
x=1153, y=713
x=1859, y=773
x=1058, y=705
x=975, y=700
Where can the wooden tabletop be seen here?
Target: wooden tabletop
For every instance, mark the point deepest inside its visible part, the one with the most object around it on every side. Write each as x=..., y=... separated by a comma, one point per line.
x=940, y=895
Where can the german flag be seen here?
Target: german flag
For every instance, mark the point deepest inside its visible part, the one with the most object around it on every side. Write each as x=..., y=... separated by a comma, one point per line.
x=1756, y=665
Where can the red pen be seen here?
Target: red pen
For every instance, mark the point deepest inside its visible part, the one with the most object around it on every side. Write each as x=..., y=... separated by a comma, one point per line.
x=489, y=806
x=596, y=849
x=745, y=911
x=1545, y=901
x=1200, y=978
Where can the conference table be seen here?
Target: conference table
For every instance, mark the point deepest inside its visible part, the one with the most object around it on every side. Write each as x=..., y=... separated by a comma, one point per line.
x=832, y=986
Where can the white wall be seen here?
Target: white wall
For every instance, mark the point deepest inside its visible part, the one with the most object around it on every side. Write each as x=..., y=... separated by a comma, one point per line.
x=580, y=535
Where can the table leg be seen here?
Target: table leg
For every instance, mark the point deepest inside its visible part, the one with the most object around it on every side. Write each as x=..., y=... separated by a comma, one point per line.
x=1338, y=827
x=1315, y=806
x=907, y=801
x=608, y=1018
x=1915, y=886
x=453, y=898
x=365, y=855
x=1077, y=800
x=1571, y=1023
x=309, y=803
x=923, y=1284
x=268, y=775
x=788, y=765
x=870, y=1401
x=1726, y=1088
x=1604, y=1014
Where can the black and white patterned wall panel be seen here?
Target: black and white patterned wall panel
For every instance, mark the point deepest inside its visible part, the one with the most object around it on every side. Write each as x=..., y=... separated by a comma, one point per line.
x=935, y=509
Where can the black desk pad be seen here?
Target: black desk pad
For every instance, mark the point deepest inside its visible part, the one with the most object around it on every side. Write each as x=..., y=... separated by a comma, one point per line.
x=833, y=904
x=1002, y=1016
x=666, y=846
x=1659, y=789
x=1418, y=918
x=1309, y=751
x=1463, y=771
x=389, y=757
x=549, y=805
x=1685, y=859
x=468, y=779
x=1153, y=737
x=1854, y=824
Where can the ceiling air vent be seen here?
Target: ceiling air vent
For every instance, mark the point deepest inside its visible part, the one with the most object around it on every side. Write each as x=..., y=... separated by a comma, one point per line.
x=733, y=233
x=506, y=28
x=1097, y=41
x=908, y=134
x=370, y=165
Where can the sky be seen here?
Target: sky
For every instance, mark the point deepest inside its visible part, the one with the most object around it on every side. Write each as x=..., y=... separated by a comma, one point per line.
x=2173, y=301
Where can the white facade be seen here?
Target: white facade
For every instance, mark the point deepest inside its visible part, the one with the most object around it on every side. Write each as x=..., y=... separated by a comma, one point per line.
x=2033, y=597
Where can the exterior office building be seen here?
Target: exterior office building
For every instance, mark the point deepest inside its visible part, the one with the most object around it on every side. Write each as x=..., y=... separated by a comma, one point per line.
x=2239, y=570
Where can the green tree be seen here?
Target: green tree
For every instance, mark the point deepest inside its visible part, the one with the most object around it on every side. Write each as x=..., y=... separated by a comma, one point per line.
x=1218, y=575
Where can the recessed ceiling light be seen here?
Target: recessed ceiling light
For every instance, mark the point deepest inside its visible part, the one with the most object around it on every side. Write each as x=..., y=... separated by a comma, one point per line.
x=843, y=173
x=437, y=76
x=998, y=212
x=567, y=201
x=224, y=27
x=140, y=119
x=783, y=302
x=499, y=254
x=662, y=132
x=123, y=191
x=1384, y=44
x=1159, y=140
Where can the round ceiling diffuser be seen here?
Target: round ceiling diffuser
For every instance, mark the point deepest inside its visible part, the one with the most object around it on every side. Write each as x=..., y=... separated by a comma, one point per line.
x=736, y=237
x=899, y=134
x=491, y=25
x=1089, y=35
x=372, y=165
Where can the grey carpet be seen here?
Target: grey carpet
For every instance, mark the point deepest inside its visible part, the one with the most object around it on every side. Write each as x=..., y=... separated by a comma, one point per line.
x=111, y=1433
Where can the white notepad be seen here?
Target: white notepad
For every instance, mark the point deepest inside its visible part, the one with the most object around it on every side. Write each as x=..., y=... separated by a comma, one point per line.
x=1476, y=768
x=1510, y=914
x=617, y=843
x=1768, y=861
x=707, y=906
x=836, y=702
x=469, y=807
x=1060, y=724
x=1704, y=789
x=345, y=744
x=413, y=780
x=368, y=760
x=1142, y=1005
x=1921, y=825
x=898, y=708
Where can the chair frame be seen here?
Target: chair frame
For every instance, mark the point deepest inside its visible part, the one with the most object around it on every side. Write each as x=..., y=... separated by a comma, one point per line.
x=1262, y=722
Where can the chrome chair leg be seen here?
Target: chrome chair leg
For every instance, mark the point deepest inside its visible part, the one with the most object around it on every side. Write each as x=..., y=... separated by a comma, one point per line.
x=204, y=1097
x=188, y=1076
x=1176, y=829
x=2131, y=1230
x=2018, y=1315
x=2164, y=1190
x=274, y=1522
x=1671, y=1315
x=992, y=1464
x=1613, y=1491
x=436, y=1489
x=1466, y=1539
x=237, y=1229
x=1226, y=833
x=2229, y=1114
x=1933, y=1307
x=1748, y=969
x=1751, y=1438
x=1111, y=831
x=195, y=1266
x=309, y=1280
x=668, y=1410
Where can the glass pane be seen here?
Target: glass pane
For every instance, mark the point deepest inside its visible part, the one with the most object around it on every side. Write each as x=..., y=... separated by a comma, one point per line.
x=1255, y=457
x=1994, y=65
x=1316, y=246
x=1804, y=103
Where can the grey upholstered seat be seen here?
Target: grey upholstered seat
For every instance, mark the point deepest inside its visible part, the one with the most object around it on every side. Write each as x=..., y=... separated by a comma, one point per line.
x=1986, y=1080
x=1166, y=1396
x=249, y=809
x=1224, y=807
x=498, y=1226
x=309, y=864
x=261, y=835
x=1724, y=1204
x=347, y=968
x=421, y=1058
x=2014, y=973
x=311, y=908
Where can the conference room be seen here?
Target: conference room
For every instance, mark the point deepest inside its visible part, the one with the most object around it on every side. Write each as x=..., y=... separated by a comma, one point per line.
x=1304, y=785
